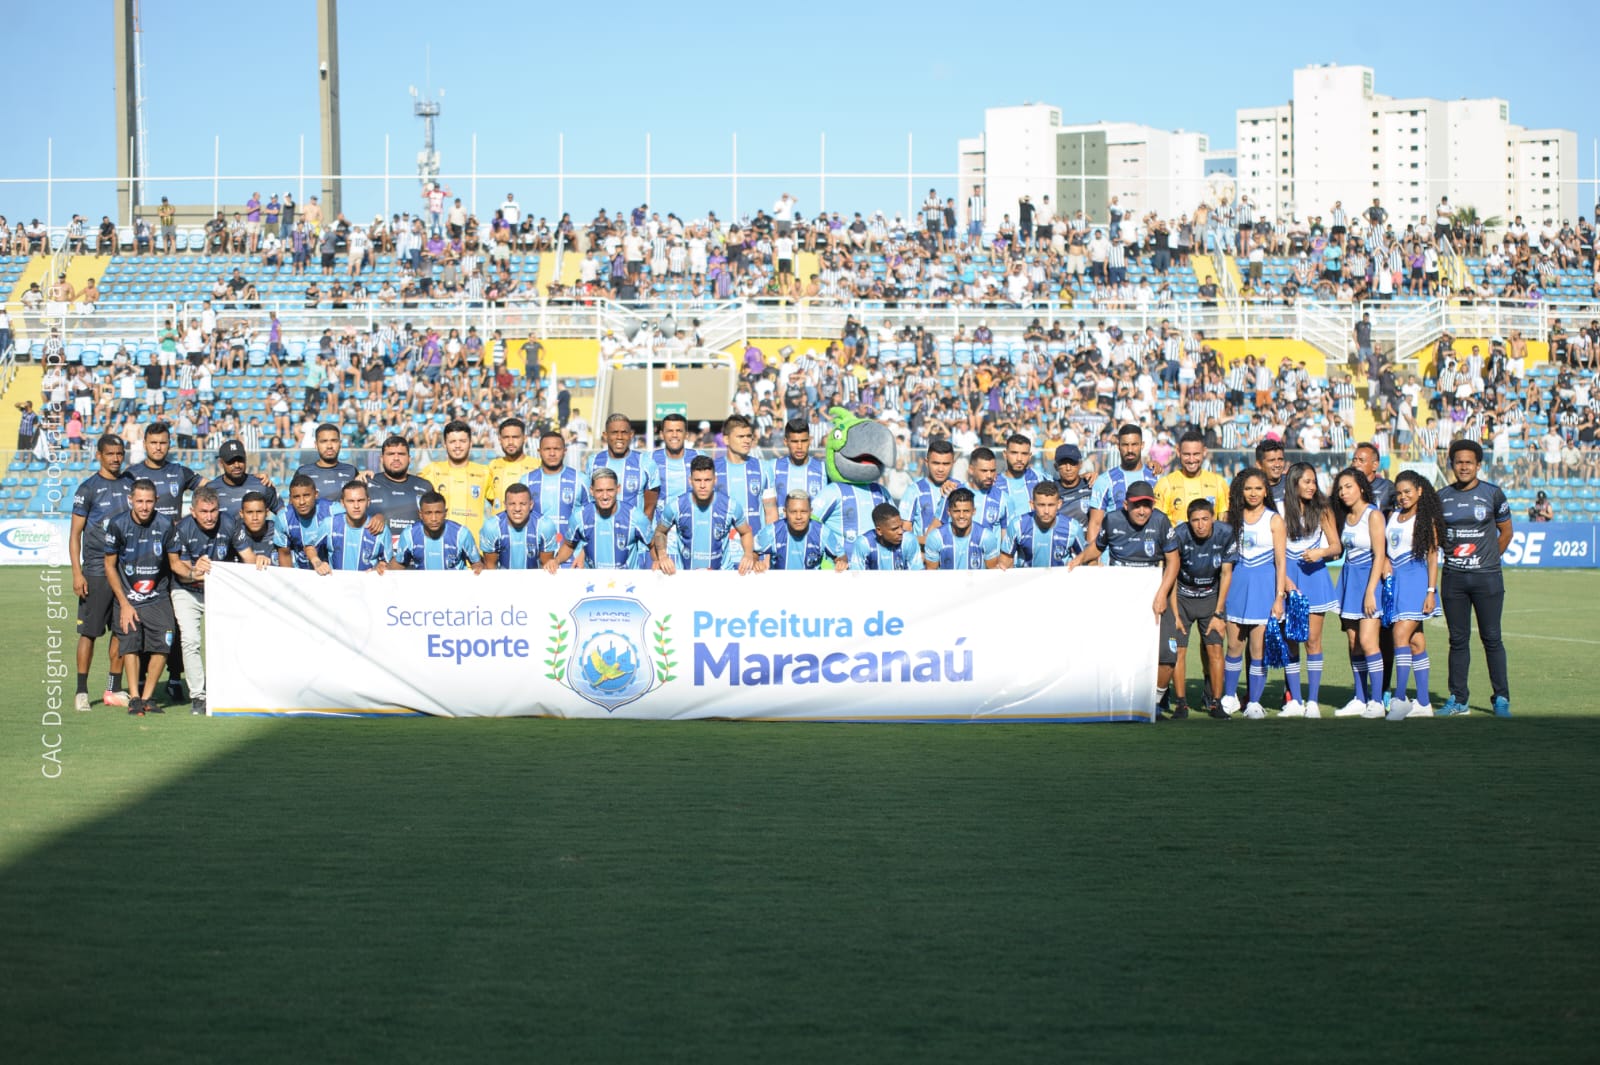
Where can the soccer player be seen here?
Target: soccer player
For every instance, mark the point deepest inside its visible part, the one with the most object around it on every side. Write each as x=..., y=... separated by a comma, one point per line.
x=885, y=546
x=1111, y=487
x=1019, y=478
x=519, y=537
x=435, y=542
x=393, y=492
x=302, y=524
x=1041, y=537
x=797, y=469
x=236, y=480
x=196, y=543
x=558, y=490
x=100, y=498
x=1138, y=534
x=740, y=477
x=989, y=497
x=461, y=481
x=348, y=542
x=172, y=479
x=1074, y=491
x=610, y=532
x=636, y=473
x=1271, y=460
x=1414, y=532
x=701, y=522
x=1360, y=526
x=512, y=466
x=137, y=571
x=1190, y=481
x=329, y=473
x=962, y=543
x=796, y=542
x=1477, y=524
x=923, y=504
x=1202, y=541
x=672, y=458
x=1311, y=539
x=1253, y=586
x=252, y=536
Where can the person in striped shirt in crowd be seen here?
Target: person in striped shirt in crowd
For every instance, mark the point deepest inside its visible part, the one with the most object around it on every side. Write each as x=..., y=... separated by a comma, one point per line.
x=349, y=544
x=741, y=477
x=519, y=537
x=1042, y=537
x=923, y=503
x=435, y=542
x=796, y=542
x=962, y=542
x=672, y=458
x=606, y=532
x=694, y=530
x=1019, y=478
x=512, y=466
x=1111, y=487
x=301, y=524
x=636, y=473
x=885, y=546
x=797, y=469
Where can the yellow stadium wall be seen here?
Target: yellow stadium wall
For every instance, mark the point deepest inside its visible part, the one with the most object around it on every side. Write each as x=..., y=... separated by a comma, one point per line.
x=1538, y=351
x=770, y=346
x=1273, y=351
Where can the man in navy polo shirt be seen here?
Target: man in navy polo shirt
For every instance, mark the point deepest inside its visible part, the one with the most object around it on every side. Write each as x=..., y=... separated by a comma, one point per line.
x=1477, y=531
x=140, y=579
x=101, y=498
x=329, y=473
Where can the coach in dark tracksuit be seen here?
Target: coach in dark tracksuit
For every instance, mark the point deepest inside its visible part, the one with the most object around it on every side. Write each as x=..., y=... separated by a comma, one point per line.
x=1477, y=522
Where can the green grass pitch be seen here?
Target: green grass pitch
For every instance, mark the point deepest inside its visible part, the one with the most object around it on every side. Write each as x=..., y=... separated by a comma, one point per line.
x=427, y=890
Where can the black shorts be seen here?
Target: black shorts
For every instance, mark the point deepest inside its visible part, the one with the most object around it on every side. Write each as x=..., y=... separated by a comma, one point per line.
x=1168, y=654
x=96, y=610
x=1197, y=611
x=156, y=631
x=327, y=258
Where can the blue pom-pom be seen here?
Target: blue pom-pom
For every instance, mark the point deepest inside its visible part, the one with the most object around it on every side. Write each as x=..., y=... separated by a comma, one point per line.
x=1276, y=649
x=1297, y=617
x=1386, y=599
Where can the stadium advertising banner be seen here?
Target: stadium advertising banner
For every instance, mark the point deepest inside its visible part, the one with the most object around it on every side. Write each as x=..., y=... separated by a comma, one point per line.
x=34, y=541
x=817, y=646
x=1553, y=544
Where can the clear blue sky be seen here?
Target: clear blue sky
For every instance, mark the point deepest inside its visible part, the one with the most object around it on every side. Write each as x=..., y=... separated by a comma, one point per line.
x=865, y=74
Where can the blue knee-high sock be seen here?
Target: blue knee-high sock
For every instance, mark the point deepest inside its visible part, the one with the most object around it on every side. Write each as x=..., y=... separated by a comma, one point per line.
x=1231, y=668
x=1419, y=667
x=1258, y=679
x=1291, y=680
x=1357, y=667
x=1314, y=675
x=1402, y=671
x=1374, y=677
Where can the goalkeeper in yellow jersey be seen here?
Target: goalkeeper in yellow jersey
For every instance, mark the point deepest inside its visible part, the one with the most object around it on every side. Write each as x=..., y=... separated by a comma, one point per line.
x=463, y=483
x=513, y=466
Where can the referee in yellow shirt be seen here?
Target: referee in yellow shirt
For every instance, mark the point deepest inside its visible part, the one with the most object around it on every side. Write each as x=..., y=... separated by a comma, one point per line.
x=1190, y=481
x=513, y=466
x=463, y=483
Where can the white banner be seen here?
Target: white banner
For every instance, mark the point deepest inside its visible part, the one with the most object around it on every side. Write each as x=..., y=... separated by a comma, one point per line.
x=34, y=541
x=1022, y=645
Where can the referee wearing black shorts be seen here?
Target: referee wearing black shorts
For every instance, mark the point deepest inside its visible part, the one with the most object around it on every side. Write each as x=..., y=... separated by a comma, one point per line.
x=141, y=580
x=1195, y=601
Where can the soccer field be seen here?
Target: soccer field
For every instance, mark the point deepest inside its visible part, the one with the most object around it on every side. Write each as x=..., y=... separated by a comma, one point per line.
x=195, y=889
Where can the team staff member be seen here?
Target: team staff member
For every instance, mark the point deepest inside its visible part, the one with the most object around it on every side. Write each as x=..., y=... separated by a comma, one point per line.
x=1369, y=461
x=701, y=522
x=1190, y=481
x=885, y=546
x=1253, y=585
x=140, y=579
x=672, y=458
x=462, y=482
x=1140, y=535
x=348, y=542
x=1477, y=527
x=1413, y=535
x=1042, y=538
x=1019, y=478
x=253, y=533
x=741, y=477
x=635, y=472
x=961, y=543
x=198, y=542
x=1110, y=490
x=796, y=542
x=519, y=537
x=100, y=498
x=923, y=502
x=512, y=466
x=1075, y=492
x=329, y=474
x=236, y=480
x=394, y=492
x=172, y=479
x=606, y=532
x=797, y=469
x=1202, y=541
x=302, y=524
x=435, y=542
x=1274, y=463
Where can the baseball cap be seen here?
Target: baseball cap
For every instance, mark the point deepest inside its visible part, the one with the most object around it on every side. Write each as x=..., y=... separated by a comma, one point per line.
x=1140, y=492
x=1069, y=453
x=230, y=450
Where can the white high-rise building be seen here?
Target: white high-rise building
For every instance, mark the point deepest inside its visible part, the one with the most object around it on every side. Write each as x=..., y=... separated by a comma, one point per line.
x=1541, y=159
x=1264, y=141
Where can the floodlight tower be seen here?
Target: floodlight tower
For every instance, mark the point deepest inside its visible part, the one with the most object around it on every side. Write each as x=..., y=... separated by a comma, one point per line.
x=428, y=158
x=328, y=97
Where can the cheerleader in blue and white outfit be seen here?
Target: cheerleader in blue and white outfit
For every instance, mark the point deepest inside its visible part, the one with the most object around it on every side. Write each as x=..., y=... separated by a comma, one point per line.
x=1312, y=540
x=1360, y=526
x=1411, y=542
x=1252, y=586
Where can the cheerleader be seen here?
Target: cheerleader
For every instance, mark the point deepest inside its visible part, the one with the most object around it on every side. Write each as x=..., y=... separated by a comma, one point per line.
x=1415, y=531
x=1312, y=540
x=1252, y=586
x=1360, y=526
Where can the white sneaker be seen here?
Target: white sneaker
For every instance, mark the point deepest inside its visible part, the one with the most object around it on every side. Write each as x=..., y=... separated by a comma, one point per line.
x=1354, y=708
x=1374, y=709
x=81, y=701
x=1253, y=712
x=1420, y=710
x=1293, y=708
x=1313, y=710
x=1398, y=710
x=1230, y=704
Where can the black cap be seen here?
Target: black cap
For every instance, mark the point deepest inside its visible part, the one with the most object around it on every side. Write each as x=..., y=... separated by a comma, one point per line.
x=1140, y=492
x=1068, y=453
x=230, y=450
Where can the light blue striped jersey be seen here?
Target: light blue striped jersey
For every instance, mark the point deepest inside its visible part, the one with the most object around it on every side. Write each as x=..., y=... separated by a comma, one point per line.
x=971, y=551
x=557, y=495
x=784, y=476
x=698, y=536
x=352, y=547
x=636, y=474
x=991, y=508
x=846, y=509
x=923, y=502
x=519, y=548
x=290, y=530
x=453, y=548
x=784, y=550
x=744, y=482
x=672, y=472
x=1033, y=547
x=1018, y=491
x=868, y=552
x=1111, y=487
x=620, y=540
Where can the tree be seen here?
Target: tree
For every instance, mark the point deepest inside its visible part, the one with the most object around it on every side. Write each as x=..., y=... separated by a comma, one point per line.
x=1466, y=216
